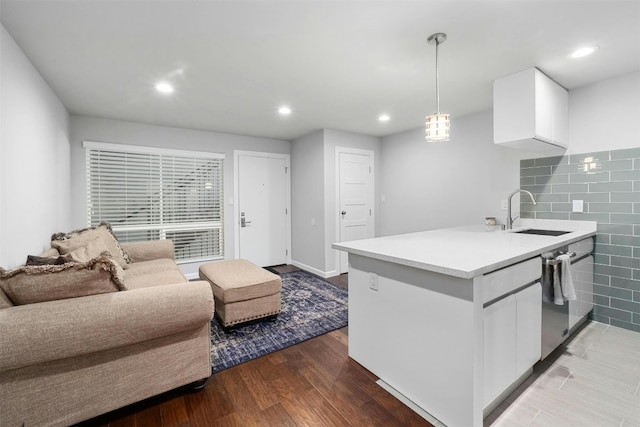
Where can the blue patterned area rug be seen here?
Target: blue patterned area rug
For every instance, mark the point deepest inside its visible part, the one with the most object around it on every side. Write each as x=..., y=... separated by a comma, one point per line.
x=311, y=306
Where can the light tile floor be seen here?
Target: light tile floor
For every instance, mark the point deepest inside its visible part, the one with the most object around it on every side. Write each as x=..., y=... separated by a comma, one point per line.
x=592, y=380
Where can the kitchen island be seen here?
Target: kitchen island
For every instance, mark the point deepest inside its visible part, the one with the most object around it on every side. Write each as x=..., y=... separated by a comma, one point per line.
x=422, y=312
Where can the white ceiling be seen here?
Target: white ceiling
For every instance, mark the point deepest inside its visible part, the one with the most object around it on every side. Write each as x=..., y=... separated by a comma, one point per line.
x=338, y=64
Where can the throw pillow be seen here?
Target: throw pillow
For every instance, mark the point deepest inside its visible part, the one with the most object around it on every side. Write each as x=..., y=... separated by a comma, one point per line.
x=91, y=250
x=69, y=242
x=41, y=260
x=50, y=253
x=32, y=284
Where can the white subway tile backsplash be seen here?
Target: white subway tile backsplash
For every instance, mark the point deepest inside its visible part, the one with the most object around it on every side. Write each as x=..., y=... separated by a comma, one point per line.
x=625, y=218
x=610, y=190
x=536, y=171
x=629, y=153
x=583, y=216
x=589, y=197
x=633, y=175
x=551, y=161
x=591, y=177
x=557, y=198
x=597, y=156
x=626, y=196
x=550, y=215
x=611, y=207
x=617, y=165
x=570, y=188
x=611, y=186
x=625, y=240
x=552, y=179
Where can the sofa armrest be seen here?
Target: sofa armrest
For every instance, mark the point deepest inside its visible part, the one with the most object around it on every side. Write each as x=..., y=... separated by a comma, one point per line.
x=53, y=330
x=149, y=250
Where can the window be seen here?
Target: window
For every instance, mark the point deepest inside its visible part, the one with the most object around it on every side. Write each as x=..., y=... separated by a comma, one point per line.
x=148, y=193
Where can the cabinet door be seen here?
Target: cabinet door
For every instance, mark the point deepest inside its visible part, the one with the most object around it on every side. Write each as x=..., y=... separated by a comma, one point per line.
x=499, y=347
x=528, y=328
x=582, y=276
x=530, y=111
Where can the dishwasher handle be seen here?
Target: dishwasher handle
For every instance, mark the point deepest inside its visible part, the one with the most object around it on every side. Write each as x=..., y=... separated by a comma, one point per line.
x=554, y=261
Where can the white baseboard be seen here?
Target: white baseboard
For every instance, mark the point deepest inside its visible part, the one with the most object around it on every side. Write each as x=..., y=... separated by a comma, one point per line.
x=323, y=274
x=413, y=406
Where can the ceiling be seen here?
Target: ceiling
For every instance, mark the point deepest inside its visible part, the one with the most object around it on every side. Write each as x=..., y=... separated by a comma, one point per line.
x=337, y=64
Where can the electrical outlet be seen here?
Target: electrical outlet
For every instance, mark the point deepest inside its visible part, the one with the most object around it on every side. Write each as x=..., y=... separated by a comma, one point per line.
x=504, y=205
x=578, y=206
x=373, y=281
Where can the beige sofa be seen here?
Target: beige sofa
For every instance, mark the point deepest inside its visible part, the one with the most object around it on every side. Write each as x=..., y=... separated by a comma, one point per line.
x=68, y=360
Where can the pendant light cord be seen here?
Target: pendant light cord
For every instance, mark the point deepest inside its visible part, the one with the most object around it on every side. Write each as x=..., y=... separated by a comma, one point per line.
x=437, y=85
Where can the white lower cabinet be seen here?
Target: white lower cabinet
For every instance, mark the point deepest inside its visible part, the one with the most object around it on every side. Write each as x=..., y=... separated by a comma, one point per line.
x=499, y=347
x=529, y=328
x=512, y=334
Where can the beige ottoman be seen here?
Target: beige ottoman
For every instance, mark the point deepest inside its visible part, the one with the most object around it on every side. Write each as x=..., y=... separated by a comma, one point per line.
x=242, y=291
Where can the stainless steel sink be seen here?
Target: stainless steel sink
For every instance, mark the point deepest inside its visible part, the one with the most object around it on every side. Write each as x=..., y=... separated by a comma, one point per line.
x=542, y=232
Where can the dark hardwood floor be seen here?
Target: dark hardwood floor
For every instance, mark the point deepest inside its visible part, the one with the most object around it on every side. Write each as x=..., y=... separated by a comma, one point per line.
x=313, y=383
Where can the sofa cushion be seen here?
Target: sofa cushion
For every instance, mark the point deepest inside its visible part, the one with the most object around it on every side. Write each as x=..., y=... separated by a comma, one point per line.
x=32, y=284
x=157, y=277
x=69, y=242
x=142, y=268
x=149, y=250
x=5, y=302
x=155, y=272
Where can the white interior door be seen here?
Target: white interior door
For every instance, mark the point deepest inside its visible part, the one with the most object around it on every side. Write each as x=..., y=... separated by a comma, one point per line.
x=262, y=208
x=355, y=194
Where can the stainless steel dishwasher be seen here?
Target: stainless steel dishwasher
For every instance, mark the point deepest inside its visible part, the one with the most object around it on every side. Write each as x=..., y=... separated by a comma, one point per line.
x=558, y=321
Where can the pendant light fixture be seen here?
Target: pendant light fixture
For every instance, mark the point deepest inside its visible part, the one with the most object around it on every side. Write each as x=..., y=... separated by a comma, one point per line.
x=437, y=125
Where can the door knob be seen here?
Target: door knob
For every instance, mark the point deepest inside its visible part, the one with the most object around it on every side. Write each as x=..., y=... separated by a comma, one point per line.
x=344, y=212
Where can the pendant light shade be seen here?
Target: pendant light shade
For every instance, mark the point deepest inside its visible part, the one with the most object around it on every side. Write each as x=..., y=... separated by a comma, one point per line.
x=437, y=128
x=437, y=125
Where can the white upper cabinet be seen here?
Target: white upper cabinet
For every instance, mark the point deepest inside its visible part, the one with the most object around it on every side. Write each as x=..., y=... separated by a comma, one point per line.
x=530, y=112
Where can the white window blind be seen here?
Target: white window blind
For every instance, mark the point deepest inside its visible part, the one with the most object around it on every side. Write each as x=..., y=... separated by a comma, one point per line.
x=150, y=194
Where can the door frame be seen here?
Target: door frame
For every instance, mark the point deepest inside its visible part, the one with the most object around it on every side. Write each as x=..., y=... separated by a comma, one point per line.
x=236, y=196
x=348, y=150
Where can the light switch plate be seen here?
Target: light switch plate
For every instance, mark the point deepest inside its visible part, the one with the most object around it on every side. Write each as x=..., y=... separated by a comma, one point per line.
x=578, y=206
x=373, y=281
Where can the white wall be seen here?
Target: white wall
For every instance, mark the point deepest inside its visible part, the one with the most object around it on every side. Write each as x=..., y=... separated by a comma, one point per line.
x=605, y=115
x=314, y=196
x=307, y=202
x=102, y=130
x=34, y=159
x=435, y=185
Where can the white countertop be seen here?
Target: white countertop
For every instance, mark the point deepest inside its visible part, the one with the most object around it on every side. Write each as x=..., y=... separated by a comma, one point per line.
x=469, y=251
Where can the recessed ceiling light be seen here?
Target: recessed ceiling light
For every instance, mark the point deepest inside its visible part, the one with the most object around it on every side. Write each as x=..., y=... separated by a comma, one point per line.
x=584, y=51
x=164, y=87
x=384, y=118
x=284, y=110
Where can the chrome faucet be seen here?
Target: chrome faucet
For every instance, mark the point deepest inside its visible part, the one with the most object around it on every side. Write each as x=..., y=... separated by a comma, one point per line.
x=509, y=219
